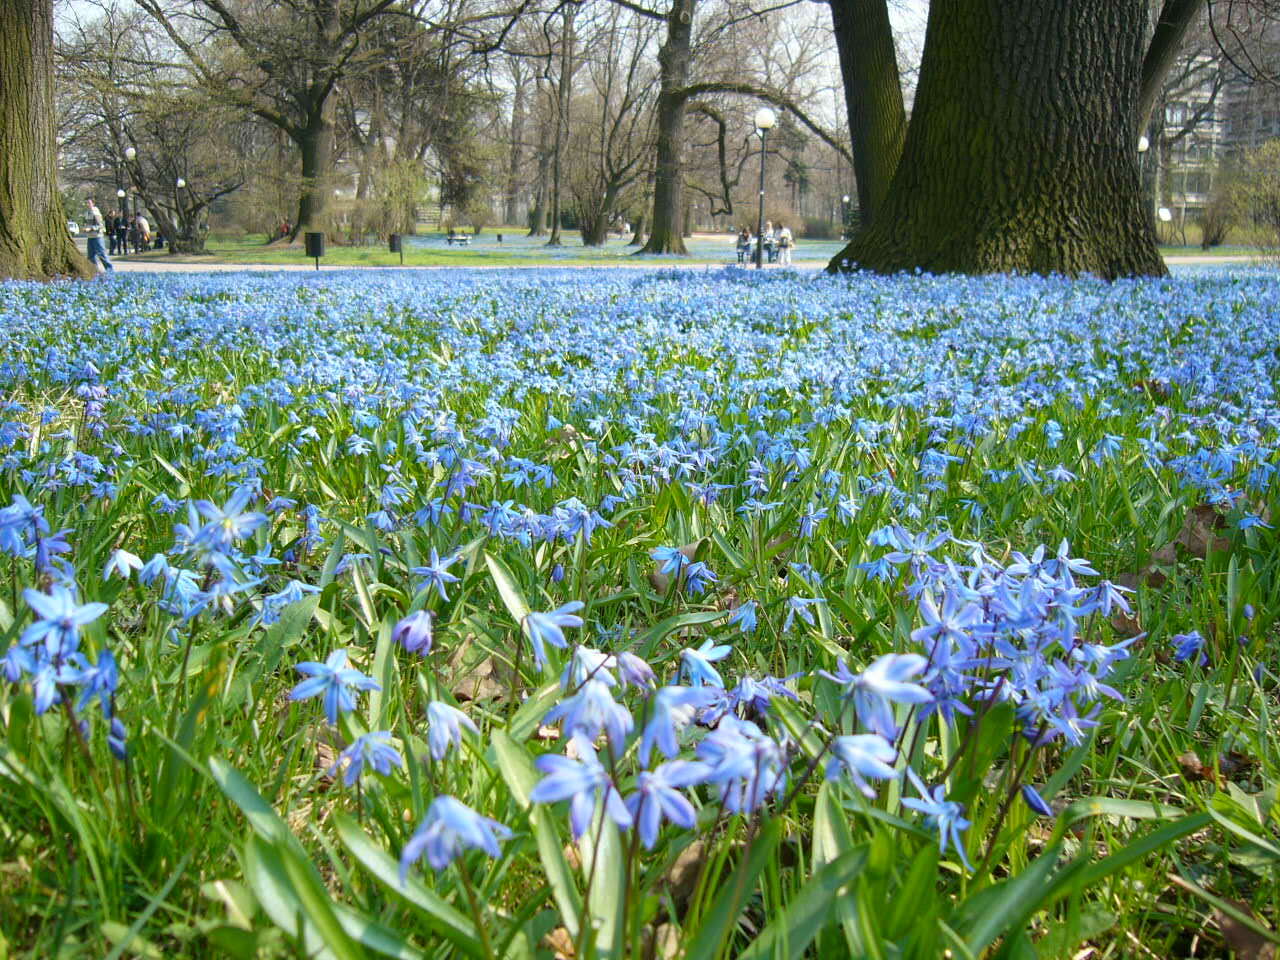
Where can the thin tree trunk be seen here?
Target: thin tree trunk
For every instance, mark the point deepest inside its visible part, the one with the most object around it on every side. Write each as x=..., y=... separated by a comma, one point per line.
x=1019, y=154
x=637, y=234
x=673, y=62
x=563, y=90
x=873, y=96
x=516, y=159
x=34, y=243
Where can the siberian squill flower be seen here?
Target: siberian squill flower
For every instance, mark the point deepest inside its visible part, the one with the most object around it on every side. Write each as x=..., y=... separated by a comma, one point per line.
x=670, y=710
x=861, y=756
x=746, y=764
x=437, y=573
x=657, y=798
x=444, y=728
x=579, y=781
x=697, y=663
x=449, y=828
x=635, y=672
x=941, y=814
x=414, y=632
x=121, y=563
x=591, y=710
x=799, y=607
x=1185, y=646
x=371, y=749
x=544, y=628
x=60, y=620
x=880, y=686
x=744, y=617
x=229, y=523
x=333, y=680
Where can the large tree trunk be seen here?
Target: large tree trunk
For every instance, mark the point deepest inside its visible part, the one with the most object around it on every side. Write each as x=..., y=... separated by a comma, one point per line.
x=673, y=61
x=1020, y=155
x=872, y=94
x=315, y=144
x=34, y=243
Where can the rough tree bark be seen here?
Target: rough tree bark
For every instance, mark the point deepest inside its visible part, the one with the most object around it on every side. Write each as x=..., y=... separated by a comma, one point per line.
x=673, y=61
x=315, y=144
x=34, y=243
x=872, y=94
x=1019, y=154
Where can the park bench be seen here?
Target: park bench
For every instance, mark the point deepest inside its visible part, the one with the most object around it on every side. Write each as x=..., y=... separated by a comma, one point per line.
x=461, y=239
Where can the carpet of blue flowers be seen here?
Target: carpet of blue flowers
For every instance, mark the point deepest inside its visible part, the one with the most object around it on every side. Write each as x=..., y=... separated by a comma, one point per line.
x=638, y=615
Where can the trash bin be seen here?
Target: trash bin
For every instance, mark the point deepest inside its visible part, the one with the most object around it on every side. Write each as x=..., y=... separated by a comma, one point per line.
x=395, y=243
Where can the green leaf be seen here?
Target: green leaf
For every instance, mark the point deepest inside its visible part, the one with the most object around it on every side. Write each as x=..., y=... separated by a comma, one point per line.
x=831, y=835
x=1104, y=807
x=807, y=912
x=605, y=862
x=265, y=872
x=1086, y=875
x=526, y=719
x=722, y=917
x=508, y=589
x=1007, y=906
x=648, y=642
x=265, y=822
x=431, y=908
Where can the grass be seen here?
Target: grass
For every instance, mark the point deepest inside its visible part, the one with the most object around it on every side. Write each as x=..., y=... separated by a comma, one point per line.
x=786, y=433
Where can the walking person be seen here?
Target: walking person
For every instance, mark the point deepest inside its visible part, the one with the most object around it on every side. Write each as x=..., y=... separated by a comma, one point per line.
x=94, y=227
x=785, y=243
x=144, y=234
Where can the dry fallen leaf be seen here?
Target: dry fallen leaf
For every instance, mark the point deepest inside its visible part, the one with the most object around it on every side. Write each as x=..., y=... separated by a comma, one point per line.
x=1245, y=943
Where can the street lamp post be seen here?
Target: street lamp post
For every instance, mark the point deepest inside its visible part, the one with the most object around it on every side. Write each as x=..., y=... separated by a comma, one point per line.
x=177, y=206
x=765, y=119
x=844, y=217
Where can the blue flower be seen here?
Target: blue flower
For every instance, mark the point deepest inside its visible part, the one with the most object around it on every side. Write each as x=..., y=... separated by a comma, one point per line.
x=414, y=632
x=697, y=663
x=744, y=617
x=657, y=797
x=437, y=573
x=449, y=828
x=1035, y=801
x=544, y=628
x=670, y=710
x=1188, y=645
x=333, y=680
x=941, y=814
x=122, y=563
x=580, y=782
x=60, y=620
x=229, y=523
x=880, y=686
x=444, y=728
x=799, y=607
x=372, y=749
x=862, y=756
x=591, y=710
